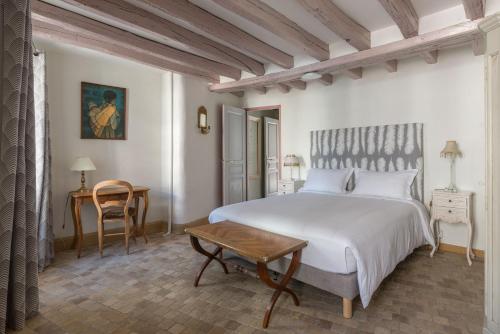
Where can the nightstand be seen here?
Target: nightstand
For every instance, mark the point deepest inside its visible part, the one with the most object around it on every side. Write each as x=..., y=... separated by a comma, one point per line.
x=289, y=186
x=452, y=208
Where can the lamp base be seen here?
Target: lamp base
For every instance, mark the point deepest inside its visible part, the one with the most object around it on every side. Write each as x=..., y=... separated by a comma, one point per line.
x=82, y=189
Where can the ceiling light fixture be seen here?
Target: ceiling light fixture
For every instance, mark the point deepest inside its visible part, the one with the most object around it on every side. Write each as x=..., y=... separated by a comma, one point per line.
x=310, y=76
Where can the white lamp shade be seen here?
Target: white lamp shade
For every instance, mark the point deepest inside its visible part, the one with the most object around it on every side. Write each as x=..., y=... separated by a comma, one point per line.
x=291, y=160
x=83, y=164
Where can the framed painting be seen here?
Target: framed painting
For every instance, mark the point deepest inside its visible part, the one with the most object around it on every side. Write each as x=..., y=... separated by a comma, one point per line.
x=103, y=112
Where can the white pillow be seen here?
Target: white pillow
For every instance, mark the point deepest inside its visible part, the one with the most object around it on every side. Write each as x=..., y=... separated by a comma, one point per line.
x=388, y=184
x=327, y=180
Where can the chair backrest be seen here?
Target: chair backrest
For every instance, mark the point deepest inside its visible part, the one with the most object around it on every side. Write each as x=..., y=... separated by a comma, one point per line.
x=114, y=202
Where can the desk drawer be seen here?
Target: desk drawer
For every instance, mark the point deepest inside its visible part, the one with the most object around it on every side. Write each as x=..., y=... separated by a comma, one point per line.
x=450, y=201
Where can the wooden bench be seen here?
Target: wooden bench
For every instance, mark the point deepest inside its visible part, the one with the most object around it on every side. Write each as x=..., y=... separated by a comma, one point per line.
x=252, y=243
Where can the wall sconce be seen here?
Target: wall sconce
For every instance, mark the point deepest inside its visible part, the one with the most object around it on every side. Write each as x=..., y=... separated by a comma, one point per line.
x=203, y=120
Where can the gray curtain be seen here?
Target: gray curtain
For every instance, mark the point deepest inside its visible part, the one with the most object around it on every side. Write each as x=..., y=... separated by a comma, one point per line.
x=18, y=229
x=43, y=163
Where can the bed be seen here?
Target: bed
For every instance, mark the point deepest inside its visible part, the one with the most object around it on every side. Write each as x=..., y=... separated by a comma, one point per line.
x=355, y=241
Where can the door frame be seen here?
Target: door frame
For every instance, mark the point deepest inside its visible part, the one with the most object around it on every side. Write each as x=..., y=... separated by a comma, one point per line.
x=272, y=107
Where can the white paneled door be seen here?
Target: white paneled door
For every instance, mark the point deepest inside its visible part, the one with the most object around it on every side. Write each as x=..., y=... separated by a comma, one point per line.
x=233, y=155
x=271, y=154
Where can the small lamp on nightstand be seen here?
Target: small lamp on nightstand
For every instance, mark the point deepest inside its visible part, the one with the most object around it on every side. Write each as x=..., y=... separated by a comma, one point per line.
x=292, y=161
x=82, y=164
x=451, y=152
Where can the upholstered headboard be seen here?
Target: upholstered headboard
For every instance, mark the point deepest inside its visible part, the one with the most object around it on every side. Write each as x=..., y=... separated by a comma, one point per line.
x=377, y=148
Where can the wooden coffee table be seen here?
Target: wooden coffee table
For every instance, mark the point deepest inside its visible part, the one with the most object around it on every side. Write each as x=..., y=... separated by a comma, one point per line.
x=252, y=243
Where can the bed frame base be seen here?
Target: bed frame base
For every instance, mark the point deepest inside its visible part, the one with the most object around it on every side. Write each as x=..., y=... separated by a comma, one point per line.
x=345, y=286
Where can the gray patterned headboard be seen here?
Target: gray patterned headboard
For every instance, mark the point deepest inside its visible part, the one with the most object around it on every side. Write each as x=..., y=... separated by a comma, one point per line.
x=377, y=148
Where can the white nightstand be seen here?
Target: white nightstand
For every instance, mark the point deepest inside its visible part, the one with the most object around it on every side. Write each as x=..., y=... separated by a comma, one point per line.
x=289, y=186
x=452, y=208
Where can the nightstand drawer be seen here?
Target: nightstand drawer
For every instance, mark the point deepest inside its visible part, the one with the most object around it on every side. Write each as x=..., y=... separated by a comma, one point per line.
x=285, y=186
x=450, y=214
x=450, y=201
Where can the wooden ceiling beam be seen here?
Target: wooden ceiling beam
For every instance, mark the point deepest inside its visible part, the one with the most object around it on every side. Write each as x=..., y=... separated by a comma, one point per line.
x=403, y=13
x=479, y=46
x=261, y=90
x=337, y=21
x=171, y=33
x=355, y=73
x=406, y=18
x=326, y=79
x=270, y=19
x=391, y=65
x=297, y=84
x=57, y=33
x=474, y=9
x=199, y=18
x=238, y=93
x=430, y=57
x=457, y=35
x=283, y=88
x=80, y=24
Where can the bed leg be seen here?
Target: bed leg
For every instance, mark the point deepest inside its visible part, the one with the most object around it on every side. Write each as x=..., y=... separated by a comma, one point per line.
x=347, y=308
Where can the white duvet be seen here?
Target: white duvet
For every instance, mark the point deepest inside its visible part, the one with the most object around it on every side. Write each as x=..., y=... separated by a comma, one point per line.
x=345, y=233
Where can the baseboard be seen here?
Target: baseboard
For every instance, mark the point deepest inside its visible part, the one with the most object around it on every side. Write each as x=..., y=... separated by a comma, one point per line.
x=448, y=248
x=179, y=228
x=90, y=239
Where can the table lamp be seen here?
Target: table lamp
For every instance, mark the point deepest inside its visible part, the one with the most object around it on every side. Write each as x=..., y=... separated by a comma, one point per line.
x=292, y=161
x=82, y=164
x=451, y=151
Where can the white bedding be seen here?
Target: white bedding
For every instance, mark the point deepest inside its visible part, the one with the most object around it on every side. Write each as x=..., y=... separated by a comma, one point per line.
x=346, y=233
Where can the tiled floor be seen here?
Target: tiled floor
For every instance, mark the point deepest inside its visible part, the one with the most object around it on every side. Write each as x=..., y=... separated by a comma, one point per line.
x=151, y=291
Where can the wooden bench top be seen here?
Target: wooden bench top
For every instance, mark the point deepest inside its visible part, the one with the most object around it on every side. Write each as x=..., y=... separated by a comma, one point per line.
x=250, y=242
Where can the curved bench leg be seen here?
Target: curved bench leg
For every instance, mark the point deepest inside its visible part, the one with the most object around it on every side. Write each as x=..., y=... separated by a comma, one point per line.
x=264, y=276
x=211, y=256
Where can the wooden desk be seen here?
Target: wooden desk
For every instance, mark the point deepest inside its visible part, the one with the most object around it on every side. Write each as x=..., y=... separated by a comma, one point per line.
x=80, y=197
x=258, y=245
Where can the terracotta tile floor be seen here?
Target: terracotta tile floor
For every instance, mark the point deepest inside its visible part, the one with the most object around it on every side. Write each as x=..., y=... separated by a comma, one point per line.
x=151, y=291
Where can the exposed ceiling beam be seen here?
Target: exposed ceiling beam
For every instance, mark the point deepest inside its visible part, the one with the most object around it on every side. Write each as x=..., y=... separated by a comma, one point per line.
x=474, y=9
x=239, y=93
x=479, y=46
x=391, y=65
x=199, y=18
x=80, y=24
x=326, y=79
x=283, y=88
x=406, y=18
x=457, y=35
x=261, y=90
x=337, y=21
x=173, y=34
x=430, y=57
x=403, y=13
x=270, y=19
x=297, y=84
x=355, y=73
x=53, y=32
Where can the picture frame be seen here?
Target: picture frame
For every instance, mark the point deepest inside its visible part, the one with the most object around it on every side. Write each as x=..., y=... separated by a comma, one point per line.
x=103, y=112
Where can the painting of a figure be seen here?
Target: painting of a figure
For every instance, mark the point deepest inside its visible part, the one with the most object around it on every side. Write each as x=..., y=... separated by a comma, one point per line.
x=103, y=112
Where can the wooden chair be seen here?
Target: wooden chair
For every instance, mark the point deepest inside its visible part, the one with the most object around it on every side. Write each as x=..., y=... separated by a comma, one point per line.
x=113, y=210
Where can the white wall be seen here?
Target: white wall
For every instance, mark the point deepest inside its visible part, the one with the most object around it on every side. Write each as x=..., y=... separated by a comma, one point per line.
x=144, y=158
x=447, y=97
x=197, y=157
x=137, y=159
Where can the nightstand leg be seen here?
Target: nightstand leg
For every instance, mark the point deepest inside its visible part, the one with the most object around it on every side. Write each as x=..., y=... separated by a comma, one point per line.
x=469, y=242
x=436, y=239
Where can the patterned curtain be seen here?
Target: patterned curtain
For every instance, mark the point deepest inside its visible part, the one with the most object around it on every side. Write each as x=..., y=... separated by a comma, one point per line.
x=18, y=229
x=43, y=163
